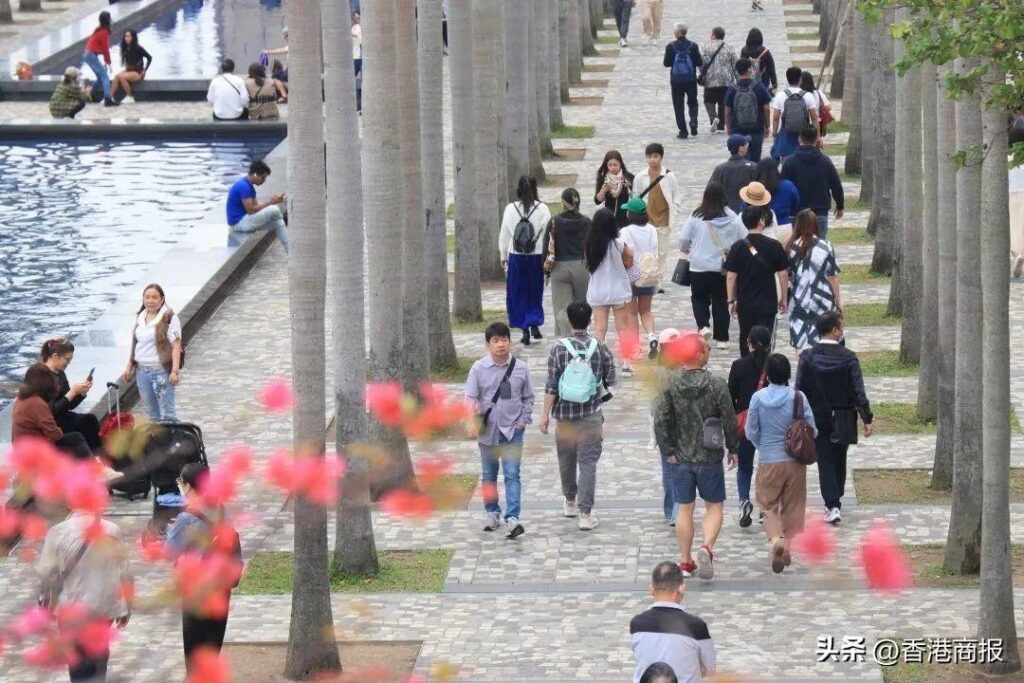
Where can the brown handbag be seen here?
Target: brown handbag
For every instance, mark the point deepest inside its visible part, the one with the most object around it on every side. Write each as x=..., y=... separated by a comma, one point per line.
x=800, y=434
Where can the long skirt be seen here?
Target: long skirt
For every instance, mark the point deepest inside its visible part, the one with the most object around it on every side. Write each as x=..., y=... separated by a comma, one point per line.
x=524, y=290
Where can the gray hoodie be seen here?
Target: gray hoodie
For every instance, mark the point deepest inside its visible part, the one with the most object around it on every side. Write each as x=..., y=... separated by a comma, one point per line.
x=705, y=253
x=768, y=418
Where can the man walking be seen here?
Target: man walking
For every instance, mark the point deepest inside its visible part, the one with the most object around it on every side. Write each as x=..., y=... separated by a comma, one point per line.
x=660, y=190
x=693, y=421
x=746, y=108
x=245, y=214
x=666, y=633
x=683, y=58
x=718, y=74
x=651, y=12
x=737, y=171
x=816, y=179
x=829, y=374
x=751, y=268
x=621, y=10
x=499, y=387
x=94, y=574
x=578, y=367
x=792, y=110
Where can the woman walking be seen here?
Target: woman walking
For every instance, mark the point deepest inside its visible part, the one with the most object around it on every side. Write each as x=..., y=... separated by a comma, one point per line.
x=609, y=291
x=711, y=230
x=814, y=280
x=135, y=61
x=614, y=186
x=785, y=201
x=56, y=355
x=522, y=255
x=642, y=239
x=781, y=480
x=747, y=375
x=156, y=355
x=564, y=263
x=98, y=45
x=764, y=63
x=821, y=99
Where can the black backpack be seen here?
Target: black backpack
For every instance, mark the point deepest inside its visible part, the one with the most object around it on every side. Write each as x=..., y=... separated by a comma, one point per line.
x=524, y=237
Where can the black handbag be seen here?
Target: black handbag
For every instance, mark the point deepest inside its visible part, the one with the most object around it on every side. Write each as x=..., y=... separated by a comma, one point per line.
x=486, y=415
x=681, y=275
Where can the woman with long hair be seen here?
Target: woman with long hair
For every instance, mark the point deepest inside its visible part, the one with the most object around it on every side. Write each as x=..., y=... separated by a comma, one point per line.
x=711, y=230
x=824, y=106
x=156, y=354
x=32, y=416
x=813, y=277
x=608, y=258
x=747, y=375
x=764, y=63
x=563, y=260
x=522, y=255
x=56, y=355
x=614, y=186
x=98, y=45
x=785, y=197
x=135, y=61
x=262, y=93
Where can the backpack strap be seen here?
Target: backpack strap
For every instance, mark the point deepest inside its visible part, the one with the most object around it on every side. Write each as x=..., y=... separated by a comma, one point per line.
x=591, y=348
x=573, y=351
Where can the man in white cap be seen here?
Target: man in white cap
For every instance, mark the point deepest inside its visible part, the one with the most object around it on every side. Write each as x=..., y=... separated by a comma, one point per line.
x=70, y=97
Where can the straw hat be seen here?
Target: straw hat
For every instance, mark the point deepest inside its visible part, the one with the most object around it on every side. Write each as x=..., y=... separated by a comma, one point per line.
x=755, y=194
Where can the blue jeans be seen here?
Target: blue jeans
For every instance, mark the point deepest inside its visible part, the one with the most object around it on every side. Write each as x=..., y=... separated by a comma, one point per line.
x=157, y=394
x=509, y=452
x=267, y=218
x=93, y=60
x=621, y=9
x=822, y=224
x=666, y=483
x=745, y=469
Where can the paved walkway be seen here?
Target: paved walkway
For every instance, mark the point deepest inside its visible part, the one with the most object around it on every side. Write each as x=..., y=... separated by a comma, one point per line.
x=555, y=605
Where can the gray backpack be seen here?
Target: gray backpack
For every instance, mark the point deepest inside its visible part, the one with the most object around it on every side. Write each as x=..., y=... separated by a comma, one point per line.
x=744, y=108
x=794, y=112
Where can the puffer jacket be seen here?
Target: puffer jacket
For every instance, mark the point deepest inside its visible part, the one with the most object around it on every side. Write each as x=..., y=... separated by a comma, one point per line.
x=688, y=399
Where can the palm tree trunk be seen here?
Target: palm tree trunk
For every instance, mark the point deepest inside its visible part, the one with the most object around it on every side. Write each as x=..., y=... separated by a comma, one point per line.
x=852, y=104
x=825, y=16
x=554, y=61
x=883, y=213
x=501, y=108
x=535, y=94
x=30, y=6
x=415, y=352
x=311, y=647
x=564, y=43
x=837, y=85
x=486, y=25
x=862, y=47
x=354, y=548
x=963, y=544
x=927, y=378
x=435, y=243
x=586, y=34
x=382, y=199
x=910, y=211
x=945, y=129
x=467, y=233
x=7, y=16
x=517, y=36
x=573, y=39
x=597, y=10
x=995, y=616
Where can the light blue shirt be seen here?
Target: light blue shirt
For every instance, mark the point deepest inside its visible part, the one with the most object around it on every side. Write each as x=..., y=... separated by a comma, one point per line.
x=768, y=418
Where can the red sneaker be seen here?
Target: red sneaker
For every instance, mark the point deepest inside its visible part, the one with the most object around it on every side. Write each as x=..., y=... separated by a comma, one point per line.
x=705, y=563
x=688, y=568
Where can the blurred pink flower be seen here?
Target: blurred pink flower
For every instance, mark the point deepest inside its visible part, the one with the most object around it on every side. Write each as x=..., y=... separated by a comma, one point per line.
x=276, y=396
x=885, y=566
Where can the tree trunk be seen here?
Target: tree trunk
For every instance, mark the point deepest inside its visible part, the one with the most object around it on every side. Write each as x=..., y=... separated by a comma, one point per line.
x=517, y=35
x=554, y=67
x=467, y=233
x=435, y=247
x=354, y=548
x=311, y=644
x=596, y=17
x=928, y=339
x=564, y=43
x=586, y=35
x=501, y=111
x=415, y=352
x=945, y=129
x=30, y=6
x=7, y=17
x=995, y=616
x=863, y=47
x=486, y=26
x=382, y=199
x=825, y=17
x=852, y=102
x=910, y=211
x=963, y=545
x=842, y=61
x=883, y=214
x=573, y=39
x=535, y=94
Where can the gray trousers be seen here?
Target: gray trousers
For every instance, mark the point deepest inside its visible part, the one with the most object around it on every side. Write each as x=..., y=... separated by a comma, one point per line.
x=569, y=280
x=578, y=442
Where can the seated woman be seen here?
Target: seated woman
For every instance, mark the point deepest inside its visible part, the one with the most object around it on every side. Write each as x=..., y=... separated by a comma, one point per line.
x=136, y=62
x=32, y=416
x=279, y=72
x=56, y=355
x=262, y=94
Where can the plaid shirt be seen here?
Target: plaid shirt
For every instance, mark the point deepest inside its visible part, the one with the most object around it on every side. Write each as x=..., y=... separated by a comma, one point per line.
x=603, y=364
x=65, y=98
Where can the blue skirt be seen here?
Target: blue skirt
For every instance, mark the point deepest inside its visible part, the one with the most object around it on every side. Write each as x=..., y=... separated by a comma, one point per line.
x=524, y=290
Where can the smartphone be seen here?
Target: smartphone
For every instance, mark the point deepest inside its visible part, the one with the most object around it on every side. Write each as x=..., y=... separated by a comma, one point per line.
x=89, y=378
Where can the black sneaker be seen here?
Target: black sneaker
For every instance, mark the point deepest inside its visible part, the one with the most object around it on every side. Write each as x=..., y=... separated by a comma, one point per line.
x=682, y=135
x=693, y=131
x=526, y=338
x=535, y=331
x=111, y=103
x=746, y=510
x=513, y=527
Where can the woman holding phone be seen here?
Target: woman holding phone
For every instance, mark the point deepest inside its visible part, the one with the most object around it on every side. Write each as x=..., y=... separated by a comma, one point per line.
x=156, y=354
x=56, y=355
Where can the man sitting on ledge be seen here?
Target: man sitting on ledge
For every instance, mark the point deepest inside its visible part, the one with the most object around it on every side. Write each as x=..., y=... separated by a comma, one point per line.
x=70, y=96
x=228, y=95
x=245, y=214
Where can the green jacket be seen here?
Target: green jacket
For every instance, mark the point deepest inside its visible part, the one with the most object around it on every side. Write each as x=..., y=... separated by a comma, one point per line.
x=688, y=398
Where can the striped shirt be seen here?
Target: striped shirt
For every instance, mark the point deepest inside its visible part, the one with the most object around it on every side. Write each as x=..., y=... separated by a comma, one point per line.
x=665, y=633
x=603, y=364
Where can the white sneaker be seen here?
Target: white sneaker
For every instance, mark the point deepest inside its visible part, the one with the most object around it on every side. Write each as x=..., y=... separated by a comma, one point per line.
x=587, y=521
x=722, y=345
x=714, y=125
x=627, y=371
x=706, y=333
x=493, y=521
x=1018, y=266
x=513, y=527
x=623, y=43
x=569, y=508
x=128, y=100
x=833, y=516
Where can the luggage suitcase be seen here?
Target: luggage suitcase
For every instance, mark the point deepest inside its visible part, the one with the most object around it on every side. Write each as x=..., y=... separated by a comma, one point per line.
x=170, y=446
x=134, y=482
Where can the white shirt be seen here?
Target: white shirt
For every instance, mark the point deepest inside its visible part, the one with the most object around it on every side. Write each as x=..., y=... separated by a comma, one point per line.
x=513, y=214
x=779, y=101
x=669, y=189
x=642, y=239
x=228, y=96
x=609, y=285
x=1017, y=179
x=145, y=336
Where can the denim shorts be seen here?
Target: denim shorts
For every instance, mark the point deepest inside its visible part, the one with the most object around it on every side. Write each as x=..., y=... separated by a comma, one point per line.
x=687, y=479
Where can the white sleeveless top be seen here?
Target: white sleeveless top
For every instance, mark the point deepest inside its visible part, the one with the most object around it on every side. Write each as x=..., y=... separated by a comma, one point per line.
x=609, y=284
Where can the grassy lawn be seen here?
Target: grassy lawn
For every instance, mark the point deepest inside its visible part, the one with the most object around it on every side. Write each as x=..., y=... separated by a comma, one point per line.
x=860, y=273
x=849, y=236
x=450, y=241
x=457, y=373
x=607, y=40
x=885, y=364
x=401, y=571
x=943, y=673
x=452, y=491
x=912, y=487
x=837, y=126
x=835, y=149
x=868, y=315
x=902, y=418
x=574, y=132
x=489, y=316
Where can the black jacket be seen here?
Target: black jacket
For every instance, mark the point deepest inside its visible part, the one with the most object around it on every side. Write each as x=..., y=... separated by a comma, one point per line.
x=735, y=174
x=61, y=404
x=743, y=379
x=815, y=177
x=683, y=44
x=831, y=379
x=570, y=230
x=768, y=75
x=615, y=204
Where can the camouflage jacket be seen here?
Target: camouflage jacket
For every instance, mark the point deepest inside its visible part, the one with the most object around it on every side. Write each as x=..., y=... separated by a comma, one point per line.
x=688, y=398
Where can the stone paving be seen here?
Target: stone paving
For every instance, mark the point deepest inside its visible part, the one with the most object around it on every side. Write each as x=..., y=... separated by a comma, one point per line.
x=555, y=604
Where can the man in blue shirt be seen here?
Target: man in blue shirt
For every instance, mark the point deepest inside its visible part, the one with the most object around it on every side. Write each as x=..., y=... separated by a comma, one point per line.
x=746, y=109
x=246, y=214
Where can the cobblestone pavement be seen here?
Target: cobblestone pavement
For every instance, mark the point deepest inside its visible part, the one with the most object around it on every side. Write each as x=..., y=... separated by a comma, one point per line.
x=554, y=605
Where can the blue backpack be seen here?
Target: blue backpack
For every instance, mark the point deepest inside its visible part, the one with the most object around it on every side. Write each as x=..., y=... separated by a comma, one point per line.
x=578, y=383
x=683, y=71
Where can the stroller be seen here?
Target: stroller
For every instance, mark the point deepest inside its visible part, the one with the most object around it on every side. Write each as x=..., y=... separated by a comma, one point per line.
x=169, y=447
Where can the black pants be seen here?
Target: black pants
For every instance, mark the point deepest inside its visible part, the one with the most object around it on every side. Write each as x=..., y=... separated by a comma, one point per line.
x=621, y=10
x=685, y=97
x=707, y=296
x=754, y=148
x=749, y=319
x=444, y=32
x=714, y=103
x=831, y=468
x=197, y=632
x=85, y=424
x=74, y=112
x=89, y=669
x=74, y=444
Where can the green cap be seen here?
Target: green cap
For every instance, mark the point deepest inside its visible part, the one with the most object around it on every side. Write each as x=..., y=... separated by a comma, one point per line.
x=635, y=205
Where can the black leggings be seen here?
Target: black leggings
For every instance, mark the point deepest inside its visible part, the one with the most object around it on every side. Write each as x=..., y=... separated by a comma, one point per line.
x=197, y=632
x=85, y=424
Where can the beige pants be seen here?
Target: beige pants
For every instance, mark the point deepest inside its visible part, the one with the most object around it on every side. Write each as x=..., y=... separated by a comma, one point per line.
x=568, y=281
x=782, y=496
x=664, y=247
x=650, y=14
